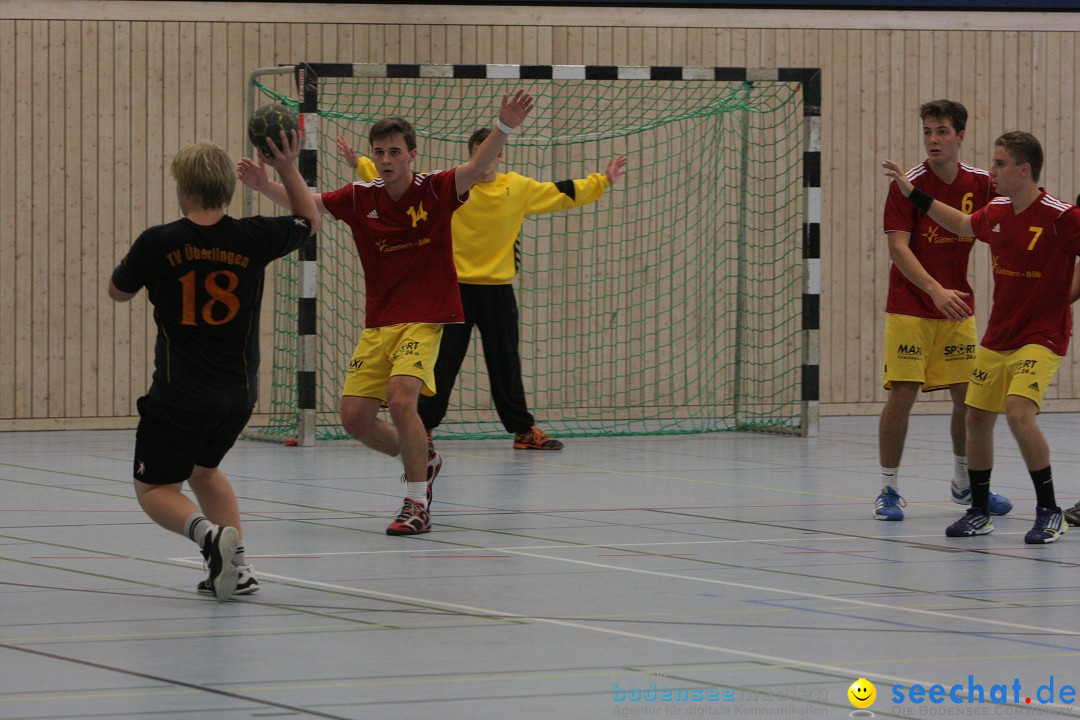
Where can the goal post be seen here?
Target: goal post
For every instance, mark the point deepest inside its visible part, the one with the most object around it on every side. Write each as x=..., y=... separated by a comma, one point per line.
x=685, y=300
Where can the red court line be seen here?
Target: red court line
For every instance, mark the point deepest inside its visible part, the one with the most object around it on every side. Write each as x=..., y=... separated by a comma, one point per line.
x=287, y=557
x=824, y=552
x=52, y=510
x=646, y=555
x=79, y=557
x=461, y=557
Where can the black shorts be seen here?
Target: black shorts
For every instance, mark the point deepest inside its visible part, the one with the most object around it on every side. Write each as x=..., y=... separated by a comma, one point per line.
x=170, y=441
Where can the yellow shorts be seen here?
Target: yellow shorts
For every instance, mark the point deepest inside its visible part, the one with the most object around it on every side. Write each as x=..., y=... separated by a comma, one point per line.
x=1026, y=372
x=934, y=353
x=408, y=349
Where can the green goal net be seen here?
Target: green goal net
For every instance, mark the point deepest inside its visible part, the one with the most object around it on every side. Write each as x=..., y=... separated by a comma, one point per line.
x=672, y=305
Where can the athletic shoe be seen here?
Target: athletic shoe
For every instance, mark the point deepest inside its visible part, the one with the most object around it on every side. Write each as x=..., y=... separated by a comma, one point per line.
x=888, y=504
x=999, y=504
x=246, y=585
x=974, y=522
x=430, y=442
x=1049, y=526
x=1072, y=515
x=434, y=465
x=219, y=549
x=536, y=439
x=414, y=519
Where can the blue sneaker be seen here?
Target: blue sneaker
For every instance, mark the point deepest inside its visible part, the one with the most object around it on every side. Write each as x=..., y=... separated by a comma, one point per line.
x=974, y=522
x=888, y=504
x=1049, y=526
x=961, y=495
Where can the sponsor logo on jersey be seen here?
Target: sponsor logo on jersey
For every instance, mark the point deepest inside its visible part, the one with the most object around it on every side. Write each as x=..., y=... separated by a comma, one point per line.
x=909, y=351
x=960, y=352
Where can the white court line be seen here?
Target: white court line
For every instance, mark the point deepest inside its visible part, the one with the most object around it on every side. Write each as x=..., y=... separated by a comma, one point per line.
x=811, y=596
x=802, y=538
x=773, y=659
x=757, y=588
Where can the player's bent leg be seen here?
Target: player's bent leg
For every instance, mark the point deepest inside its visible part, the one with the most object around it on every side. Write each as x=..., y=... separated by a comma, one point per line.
x=421, y=465
x=165, y=504
x=360, y=418
x=217, y=500
x=216, y=497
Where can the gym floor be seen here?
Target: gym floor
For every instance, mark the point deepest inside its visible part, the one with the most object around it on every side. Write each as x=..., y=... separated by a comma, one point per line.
x=696, y=576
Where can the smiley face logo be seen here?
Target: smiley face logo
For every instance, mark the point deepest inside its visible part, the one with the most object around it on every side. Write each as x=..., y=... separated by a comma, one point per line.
x=862, y=693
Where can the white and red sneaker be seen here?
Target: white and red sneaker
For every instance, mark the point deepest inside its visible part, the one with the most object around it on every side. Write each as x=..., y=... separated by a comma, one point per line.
x=414, y=519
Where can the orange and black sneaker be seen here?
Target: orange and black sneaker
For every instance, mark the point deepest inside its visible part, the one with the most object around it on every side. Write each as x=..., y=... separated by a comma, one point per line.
x=536, y=439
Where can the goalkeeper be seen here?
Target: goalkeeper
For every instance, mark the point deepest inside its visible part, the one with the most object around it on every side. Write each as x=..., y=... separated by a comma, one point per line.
x=485, y=234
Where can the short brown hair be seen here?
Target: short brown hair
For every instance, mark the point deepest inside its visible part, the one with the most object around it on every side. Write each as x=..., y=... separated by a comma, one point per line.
x=390, y=126
x=1023, y=147
x=477, y=138
x=205, y=173
x=949, y=110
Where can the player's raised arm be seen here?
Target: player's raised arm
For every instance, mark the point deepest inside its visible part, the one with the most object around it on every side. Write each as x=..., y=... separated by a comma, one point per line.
x=253, y=174
x=512, y=112
x=283, y=159
x=947, y=217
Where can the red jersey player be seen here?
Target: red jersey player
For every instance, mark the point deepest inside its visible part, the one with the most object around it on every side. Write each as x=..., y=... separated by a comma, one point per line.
x=930, y=331
x=1034, y=239
x=401, y=226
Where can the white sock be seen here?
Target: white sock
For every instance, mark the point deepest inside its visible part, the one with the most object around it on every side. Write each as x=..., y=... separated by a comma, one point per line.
x=890, y=477
x=417, y=492
x=238, y=558
x=197, y=527
x=960, y=468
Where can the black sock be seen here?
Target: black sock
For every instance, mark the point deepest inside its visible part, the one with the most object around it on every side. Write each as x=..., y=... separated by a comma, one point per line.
x=1043, y=481
x=980, y=489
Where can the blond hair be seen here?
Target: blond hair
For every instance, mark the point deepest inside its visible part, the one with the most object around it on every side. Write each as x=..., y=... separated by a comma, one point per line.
x=204, y=172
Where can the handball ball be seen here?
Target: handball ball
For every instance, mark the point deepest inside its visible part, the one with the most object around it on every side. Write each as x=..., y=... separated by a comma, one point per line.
x=269, y=120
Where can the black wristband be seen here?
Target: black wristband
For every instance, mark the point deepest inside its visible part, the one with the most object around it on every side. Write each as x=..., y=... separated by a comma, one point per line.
x=921, y=200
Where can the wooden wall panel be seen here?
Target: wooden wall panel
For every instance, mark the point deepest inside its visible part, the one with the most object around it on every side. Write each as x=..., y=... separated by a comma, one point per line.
x=94, y=104
x=7, y=211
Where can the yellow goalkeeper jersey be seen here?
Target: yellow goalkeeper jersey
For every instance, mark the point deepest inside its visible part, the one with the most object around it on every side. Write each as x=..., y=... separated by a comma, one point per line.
x=485, y=229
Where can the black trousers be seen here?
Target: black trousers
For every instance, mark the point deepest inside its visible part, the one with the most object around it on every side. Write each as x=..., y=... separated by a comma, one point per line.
x=492, y=309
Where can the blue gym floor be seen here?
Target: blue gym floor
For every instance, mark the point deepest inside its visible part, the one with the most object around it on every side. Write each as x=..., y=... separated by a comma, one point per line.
x=737, y=575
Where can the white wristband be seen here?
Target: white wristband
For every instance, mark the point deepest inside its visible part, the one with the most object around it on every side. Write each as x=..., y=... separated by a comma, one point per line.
x=504, y=127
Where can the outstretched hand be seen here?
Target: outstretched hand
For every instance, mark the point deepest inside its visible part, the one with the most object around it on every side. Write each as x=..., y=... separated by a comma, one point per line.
x=253, y=174
x=346, y=151
x=893, y=170
x=616, y=168
x=514, y=110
